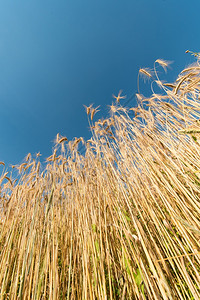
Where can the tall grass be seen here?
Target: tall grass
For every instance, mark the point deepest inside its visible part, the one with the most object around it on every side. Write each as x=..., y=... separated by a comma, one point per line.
x=122, y=220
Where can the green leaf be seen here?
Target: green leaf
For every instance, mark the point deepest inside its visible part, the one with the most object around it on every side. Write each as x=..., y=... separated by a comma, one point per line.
x=97, y=246
x=94, y=227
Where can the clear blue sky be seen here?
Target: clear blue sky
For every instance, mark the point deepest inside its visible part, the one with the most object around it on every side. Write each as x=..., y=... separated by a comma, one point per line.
x=56, y=56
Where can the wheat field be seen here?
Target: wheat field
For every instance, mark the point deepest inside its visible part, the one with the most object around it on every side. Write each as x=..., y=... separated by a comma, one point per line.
x=122, y=219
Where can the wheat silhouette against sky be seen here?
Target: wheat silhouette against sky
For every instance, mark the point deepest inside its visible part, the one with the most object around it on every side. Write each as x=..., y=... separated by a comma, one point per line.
x=57, y=57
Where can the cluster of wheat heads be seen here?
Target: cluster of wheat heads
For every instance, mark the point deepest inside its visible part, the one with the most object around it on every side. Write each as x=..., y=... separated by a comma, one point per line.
x=122, y=220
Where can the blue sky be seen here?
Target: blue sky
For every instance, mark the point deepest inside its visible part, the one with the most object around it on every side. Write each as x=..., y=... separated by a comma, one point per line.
x=56, y=56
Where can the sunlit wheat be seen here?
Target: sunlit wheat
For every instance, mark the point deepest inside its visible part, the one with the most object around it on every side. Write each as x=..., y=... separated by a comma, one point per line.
x=119, y=219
